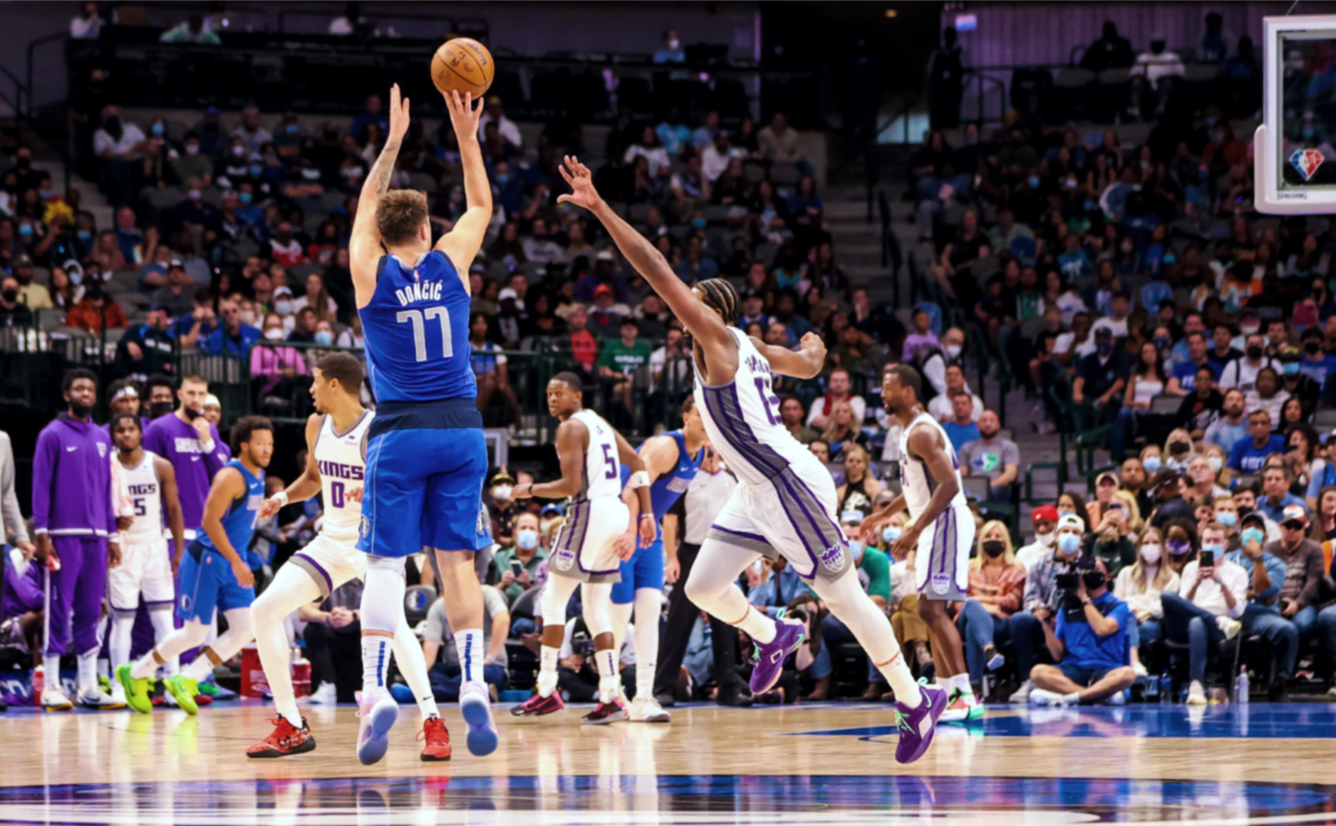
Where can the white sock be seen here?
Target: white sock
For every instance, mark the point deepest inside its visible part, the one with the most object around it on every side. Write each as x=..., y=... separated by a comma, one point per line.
x=103, y=668
x=51, y=664
x=961, y=682
x=547, y=670
x=621, y=618
x=757, y=625
x=1073, y=699
x=191, y=634
x=609, y=681
x=162, y=626
x=901, y=680
x=648, y=607
x=376, y=654
x=472, y=654
x=413, y=666
x=87, y=671
x=122, y=635
x=201, y=669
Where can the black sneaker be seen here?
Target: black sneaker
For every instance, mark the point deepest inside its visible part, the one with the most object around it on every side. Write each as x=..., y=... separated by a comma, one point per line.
x=605, y=714
x=736, y=699
x=666, y=700
x=538, y=705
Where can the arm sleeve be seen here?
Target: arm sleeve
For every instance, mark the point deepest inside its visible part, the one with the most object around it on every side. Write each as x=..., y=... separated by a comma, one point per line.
x=43, y=468
x=11, y=518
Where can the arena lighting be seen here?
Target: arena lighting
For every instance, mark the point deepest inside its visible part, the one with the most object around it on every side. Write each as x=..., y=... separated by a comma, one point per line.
x=892, y=13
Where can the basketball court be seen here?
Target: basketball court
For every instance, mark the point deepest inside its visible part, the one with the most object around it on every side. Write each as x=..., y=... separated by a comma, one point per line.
x=810, y=763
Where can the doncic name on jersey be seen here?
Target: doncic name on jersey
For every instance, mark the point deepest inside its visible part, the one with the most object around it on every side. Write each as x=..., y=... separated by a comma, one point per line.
x=419, y=291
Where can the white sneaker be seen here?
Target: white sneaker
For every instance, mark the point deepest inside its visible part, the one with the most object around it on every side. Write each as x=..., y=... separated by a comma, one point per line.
x=1197, y=694
x=1022, y=694
x=96, y=699
x=118, y=692
x=53, y=699
x=646, y=710
x=1043, y=697
x=325, y=695
x=1140, y=669
x=378, y=714
x=1117, y=698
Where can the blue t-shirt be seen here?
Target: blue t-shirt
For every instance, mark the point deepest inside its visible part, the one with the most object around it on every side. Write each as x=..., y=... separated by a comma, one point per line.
x=1318, y=370
x=961, y=434
x=1186, y=373
x=1246, y=457
x=1275, y=510
x=1088, y=650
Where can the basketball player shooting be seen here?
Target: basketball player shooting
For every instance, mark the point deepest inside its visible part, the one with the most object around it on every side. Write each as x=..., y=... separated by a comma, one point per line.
x=941, y=535
x=785, y=500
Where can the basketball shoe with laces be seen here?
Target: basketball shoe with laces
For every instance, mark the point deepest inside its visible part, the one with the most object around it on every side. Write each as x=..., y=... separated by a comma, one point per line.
x=435, y=739
x=284, y=740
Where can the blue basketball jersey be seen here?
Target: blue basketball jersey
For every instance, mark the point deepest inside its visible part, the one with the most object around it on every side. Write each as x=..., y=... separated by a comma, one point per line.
x=668, y=488
x=416, y=329
x=239, y=521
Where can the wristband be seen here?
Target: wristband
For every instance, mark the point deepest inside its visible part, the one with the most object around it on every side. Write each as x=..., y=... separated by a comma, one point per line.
x=639, y=479
x=281, y=497
x=646, y=516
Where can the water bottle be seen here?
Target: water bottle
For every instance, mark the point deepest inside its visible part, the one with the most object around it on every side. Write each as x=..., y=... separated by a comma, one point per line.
x=1241, y=687
x=1166, y=689
x=38, y=685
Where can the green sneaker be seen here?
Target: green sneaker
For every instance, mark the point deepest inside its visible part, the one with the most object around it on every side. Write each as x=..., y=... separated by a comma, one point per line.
x=136, y=691
x=208, y=688
x=183, y=690
x=976, y=712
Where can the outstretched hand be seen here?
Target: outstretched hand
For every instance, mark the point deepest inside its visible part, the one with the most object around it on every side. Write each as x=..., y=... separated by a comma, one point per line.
x=581, y=181
x=398, y=114
x=463, y=117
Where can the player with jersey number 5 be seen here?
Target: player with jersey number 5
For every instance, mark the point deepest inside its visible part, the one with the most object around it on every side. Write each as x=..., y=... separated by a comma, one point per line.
x=335, y=466
x=147, y=567
x=426, y=456
x=785, y=500
x=597, y=533
x=942, y=534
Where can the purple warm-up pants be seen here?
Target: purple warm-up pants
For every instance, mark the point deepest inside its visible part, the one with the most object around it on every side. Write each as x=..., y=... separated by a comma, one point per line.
x=74, y=594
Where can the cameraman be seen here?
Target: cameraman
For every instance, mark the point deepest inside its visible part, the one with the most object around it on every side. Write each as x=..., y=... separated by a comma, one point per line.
x=1213, y=594
x=1089, y=643
x=576, y=675
x=1031, y=626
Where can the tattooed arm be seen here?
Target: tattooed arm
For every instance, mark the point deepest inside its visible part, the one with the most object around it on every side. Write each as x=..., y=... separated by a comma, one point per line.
x=364, y=248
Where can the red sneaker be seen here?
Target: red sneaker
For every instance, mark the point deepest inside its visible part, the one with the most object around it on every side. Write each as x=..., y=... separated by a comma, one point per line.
x=437, y=740
x=538, y=705
x=605, y=714
x=284, y=740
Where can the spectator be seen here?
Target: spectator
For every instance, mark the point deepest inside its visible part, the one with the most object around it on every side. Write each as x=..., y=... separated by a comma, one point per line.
x=578, y=341
x=438, y=641
x=996, y=586
x=518, y=566
x=1140, y=585
x=1231, y=427
x=1110, y=51
x=272, y=364
x=88, y=25
x=505, y=127
x=860, y=487
x=622, y=358
x=1267, y=574
x=1099, y=383
x=1045, y=520
x=1090, y=649
x=716, y=156
x=605, y=319
x=373, y=115
x=1204, y=405
x=13, y=313
x=1154, y=77
x=1183, y=380
x=837, y=389
x=146, y=349
x=539, y=246
x=318, y=299
x=945, y=82
x=301, y=325
x=1277, y=499
x=842, y=431
x=194, y=211
x=942, y=406
x=1249, y=455
x=178, y=294
x=921, y=340
x=993, y=456
x=1267, y=395
x=672, y=51
x=1202, y=479
x=1212, y=599
x=118, y=144
x=1242, y=372
x=284, y=248
x=651, y=149
x=1120, y=306
x=791, y=414
x=32, y=295
x=1145, y=382
x=961, y=428
x=253, y=136
x=233, y=339
x=1223, y=351
x=96, y=311
x=779, y=144
x=192, y=164
x=673, y=132
x=192, y=30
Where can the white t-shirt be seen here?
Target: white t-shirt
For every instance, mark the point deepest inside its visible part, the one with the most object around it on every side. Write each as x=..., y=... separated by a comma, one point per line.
x=1210, y=594
x=1239, y=373
x=1118, y=327
x=131, y=136
x=505, y=127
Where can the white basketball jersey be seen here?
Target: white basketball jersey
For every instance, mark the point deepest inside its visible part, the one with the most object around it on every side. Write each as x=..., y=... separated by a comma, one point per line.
x=341, y=459
x=742, y=418
x=603, y=466
x=145, y=491
x=915, y=479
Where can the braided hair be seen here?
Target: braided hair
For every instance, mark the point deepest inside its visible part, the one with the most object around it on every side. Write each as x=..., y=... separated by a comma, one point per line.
x=722, y=296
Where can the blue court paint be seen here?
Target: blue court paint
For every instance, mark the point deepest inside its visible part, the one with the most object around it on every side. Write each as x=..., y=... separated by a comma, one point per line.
x=1264, y=721
x=666, y=800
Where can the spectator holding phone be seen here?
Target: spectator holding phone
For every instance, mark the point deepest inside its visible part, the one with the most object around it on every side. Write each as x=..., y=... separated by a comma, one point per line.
x=517, y=566
x=1213, y=593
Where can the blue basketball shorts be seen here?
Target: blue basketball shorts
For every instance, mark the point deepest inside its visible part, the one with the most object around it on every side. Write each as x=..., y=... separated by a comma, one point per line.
x=208, y=584
x=643, y=570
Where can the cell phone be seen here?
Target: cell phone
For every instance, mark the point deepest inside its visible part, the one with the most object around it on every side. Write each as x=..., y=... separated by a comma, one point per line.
x=1207, y=559
x=516, y=567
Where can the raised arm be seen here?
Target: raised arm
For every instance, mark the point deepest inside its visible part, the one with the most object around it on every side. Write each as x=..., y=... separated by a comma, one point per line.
x=306, y=485
x=364, y=249
x=806, y=363
x=572, y=440
x=461, y=244
x=704, y=324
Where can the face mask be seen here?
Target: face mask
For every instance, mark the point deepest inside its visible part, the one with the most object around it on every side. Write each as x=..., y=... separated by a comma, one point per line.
x=1227, y=518
x=311, y=174
x=274, y=334
x=698, y=223
x=293, y=128
x=1046, y=539
x=1178, y=547
x=1252, y=535
x=193, y=194
x=1104, y=348
x=502, y=179
x=283, y=307
x=674, y=45
x=1290, y=368
x=324, y=338
x=75, y=278
x=1151, y=553
x=1215, y=463
x=501, y=493
x=1070, y=183
x=246, y=197
x=1034, y=181
x=1069, y=543
x=247, y=317
x=1312, y=347
x=1217, y=550
x=45, y=193
x=79, y=410
x=1093, y=580
x=1179, y=448
x=1254, y=352
x=1127, y=246
x=994, y=548
x=192, y=149
x=1249, y=329
x=1162, y=343
x=25, y=230
x=890, y=534
x=1169, y=258
x=157, y=410
x=238, y=151
x=952, y=351
x=10, y=295
x=84, y=235
x=255, y=170
x=158, y=129
x=856, y=548
x=526, y=538
x=1151, y=463
x=1088, y=205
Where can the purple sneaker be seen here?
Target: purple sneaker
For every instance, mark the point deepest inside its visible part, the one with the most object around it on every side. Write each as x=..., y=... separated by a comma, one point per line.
x=770, y=656
x=918, y=724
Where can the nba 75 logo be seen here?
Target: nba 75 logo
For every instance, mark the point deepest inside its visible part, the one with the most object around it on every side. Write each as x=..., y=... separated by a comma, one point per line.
x=1306, y=161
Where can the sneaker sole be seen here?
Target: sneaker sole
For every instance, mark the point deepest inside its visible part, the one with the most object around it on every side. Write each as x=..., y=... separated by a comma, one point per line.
x=654, y=718
x=519, y=711
x=59, y=707
x=112, y=706
x=481, y=738
x=383, y=717
x=606, y=721
x=308, y=746
x=432, y=758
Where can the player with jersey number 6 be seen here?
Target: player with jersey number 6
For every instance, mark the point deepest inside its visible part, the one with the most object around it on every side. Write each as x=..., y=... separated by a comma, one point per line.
x=426, y=455
x=785, y=500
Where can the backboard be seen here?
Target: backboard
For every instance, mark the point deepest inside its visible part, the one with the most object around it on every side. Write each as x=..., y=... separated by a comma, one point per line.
x=1294, y=150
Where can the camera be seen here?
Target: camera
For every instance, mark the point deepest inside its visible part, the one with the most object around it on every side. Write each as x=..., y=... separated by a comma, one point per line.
x=582, y=644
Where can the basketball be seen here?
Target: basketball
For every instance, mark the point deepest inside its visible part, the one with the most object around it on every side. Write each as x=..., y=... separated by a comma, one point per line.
x=463, y=65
